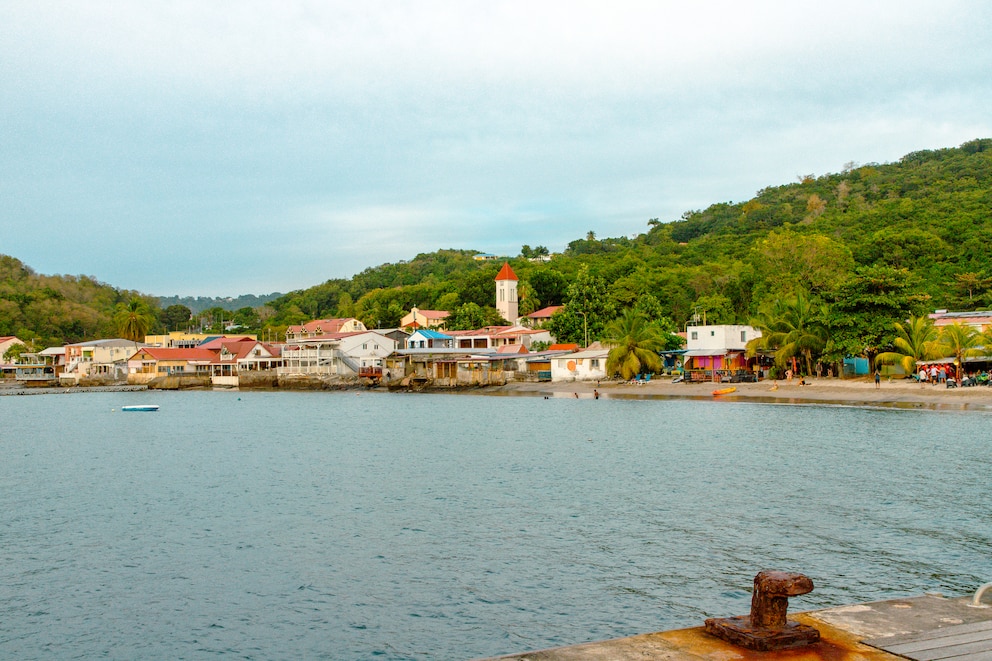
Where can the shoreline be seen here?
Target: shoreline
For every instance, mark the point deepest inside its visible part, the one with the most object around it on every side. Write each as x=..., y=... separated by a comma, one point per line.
x=901, y=394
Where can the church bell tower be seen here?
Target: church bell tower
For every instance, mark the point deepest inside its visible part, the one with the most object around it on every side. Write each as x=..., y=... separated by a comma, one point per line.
x=506, y=293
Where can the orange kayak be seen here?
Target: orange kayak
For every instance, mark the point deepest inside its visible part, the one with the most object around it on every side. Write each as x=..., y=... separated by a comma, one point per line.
x=724, y=391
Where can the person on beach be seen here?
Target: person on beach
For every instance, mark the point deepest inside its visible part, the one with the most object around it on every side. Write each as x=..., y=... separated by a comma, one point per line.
x=595, y=394
x=878, y=378
x=923, y=376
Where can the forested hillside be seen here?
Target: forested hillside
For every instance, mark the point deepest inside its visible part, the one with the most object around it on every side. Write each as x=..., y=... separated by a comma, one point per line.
x=866, y=247
x=863, y=248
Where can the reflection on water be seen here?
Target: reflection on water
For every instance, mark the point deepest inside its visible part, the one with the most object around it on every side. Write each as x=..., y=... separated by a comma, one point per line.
x=346, y=526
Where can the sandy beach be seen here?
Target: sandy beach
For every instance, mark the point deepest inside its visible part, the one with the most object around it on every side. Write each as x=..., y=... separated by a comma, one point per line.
x=901, y=393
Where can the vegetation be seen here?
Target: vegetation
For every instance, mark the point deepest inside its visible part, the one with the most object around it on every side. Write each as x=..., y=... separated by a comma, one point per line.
x=133, y=319
x=916, y=340
x=635, y=343
x=828, y=265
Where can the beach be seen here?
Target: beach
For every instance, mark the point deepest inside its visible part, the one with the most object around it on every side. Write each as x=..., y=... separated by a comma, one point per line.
x=901, y=393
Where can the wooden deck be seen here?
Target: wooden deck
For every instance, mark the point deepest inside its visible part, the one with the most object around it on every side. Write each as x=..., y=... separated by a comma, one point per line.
x=963, y=642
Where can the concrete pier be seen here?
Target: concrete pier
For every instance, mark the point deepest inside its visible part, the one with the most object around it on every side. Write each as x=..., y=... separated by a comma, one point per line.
x=926, y=628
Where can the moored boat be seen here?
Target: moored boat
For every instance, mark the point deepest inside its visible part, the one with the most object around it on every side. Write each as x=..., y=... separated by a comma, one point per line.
x=140, y=407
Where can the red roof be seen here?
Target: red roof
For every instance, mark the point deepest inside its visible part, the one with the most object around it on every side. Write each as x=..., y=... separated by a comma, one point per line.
x=545, y=313
x=506, y=273
x=176, y=353
x=216, y=343
x=243, y=349
x=434, y=314
x=563, y=347
x=513, y=348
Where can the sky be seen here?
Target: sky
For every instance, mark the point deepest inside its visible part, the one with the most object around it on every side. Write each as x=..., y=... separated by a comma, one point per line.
x=224, y=148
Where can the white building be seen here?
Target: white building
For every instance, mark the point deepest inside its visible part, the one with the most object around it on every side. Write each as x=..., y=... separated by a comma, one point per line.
x=343, y=354
x=588, y=365
x=98, y=359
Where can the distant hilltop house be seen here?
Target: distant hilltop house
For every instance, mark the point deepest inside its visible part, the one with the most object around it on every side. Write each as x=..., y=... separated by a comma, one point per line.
x=418, y=318
x=485, y=257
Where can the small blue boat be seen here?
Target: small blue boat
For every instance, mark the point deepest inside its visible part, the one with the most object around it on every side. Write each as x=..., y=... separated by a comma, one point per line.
x=140, y=407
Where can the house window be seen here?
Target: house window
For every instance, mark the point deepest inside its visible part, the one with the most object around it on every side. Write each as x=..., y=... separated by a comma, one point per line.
x=594, y=364
x=712, y=333
x=743, y=336
x=695, y=335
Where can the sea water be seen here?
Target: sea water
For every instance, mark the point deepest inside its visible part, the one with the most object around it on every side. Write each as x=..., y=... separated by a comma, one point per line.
x=259, y=525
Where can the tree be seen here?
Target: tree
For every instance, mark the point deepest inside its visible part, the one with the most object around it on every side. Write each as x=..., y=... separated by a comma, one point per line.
x=863, y=311
x=634, y=345
x=916, y=340
x=793, y=329
x=587, y=298
x=790, y=261
x=470, y=316
x=247, y=317
x=133, y=319
x=13, y=353
x=549, y=286
x=175, y=317
x=959, y=341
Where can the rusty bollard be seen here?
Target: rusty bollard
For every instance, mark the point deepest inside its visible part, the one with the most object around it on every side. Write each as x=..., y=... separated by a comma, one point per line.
x=767, y=628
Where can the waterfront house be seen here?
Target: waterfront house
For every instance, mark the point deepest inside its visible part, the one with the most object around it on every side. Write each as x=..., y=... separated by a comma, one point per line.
x=41, y=368
x=343, y=354
x=151, y=362
x=101, y=360
x=233, y=358
x=587, y=365
x=717, y=352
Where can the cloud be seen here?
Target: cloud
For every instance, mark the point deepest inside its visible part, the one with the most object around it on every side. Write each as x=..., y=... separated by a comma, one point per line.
x=275, y=145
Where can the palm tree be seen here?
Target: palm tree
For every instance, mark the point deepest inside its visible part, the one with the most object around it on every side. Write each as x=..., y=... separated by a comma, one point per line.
x=634, y=344
x=915, y=341
x=960, y=341
x=793, y=330
x=133, y=319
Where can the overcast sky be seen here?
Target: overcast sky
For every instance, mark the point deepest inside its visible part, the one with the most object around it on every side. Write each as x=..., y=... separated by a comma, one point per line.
x=220, y=148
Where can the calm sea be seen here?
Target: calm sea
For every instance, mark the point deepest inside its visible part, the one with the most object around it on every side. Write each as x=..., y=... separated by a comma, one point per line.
x=357, y=526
